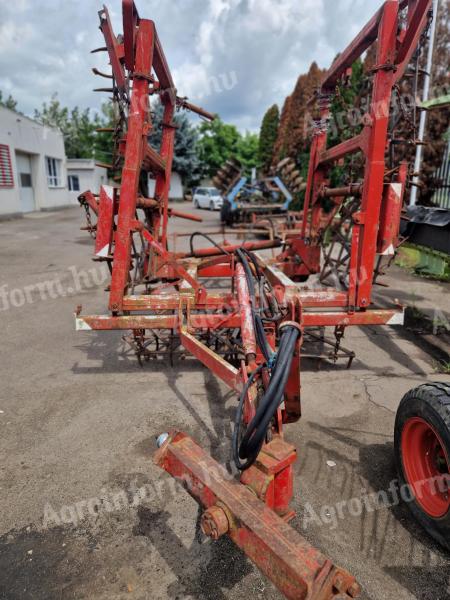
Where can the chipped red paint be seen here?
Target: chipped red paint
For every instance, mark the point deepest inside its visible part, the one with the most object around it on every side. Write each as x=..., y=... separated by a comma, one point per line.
x=105, y=222
x=297, y=569
x=247, y=330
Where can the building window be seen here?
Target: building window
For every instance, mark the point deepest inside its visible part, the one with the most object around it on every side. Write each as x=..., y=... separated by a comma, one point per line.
x=25, y=180
x=6, y=172
x=74, y=183
x=53, y=171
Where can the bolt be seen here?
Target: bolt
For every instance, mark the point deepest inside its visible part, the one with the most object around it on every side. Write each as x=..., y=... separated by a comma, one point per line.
x=161, y=439
x=339, y=584
x=354, y=590
x=214, y=522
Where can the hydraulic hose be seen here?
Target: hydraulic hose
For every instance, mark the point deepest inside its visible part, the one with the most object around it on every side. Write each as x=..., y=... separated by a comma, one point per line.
x=207, y=237
x=238, y=420
x=273, y=397
x=255, y=434
x=246, y=451
x=260, y=334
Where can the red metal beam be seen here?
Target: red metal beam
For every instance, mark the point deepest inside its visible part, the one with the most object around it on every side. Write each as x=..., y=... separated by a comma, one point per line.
x=233, y=320
x=340, y=150
x=368, y=317
x=247, y=329
x=376, y=149
x=163, y=72
x=115, y=50
x=105, y=221
x=196, y=322
x=346, y=59
x=416, y=24
x=133, y=160
x=298, y=570
x=153, y=161
x=130, y=22
x=220, y=367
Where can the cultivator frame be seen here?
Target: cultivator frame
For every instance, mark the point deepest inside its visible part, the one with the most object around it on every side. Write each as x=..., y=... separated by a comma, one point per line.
x=156, y=290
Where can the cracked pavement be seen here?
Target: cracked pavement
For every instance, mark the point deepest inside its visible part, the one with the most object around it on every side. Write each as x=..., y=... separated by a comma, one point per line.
x=79, y=418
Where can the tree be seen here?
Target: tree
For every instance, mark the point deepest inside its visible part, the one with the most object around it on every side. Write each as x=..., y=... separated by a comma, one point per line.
x=280, y=146
x=53, y=115
x=186, y=159
x=293, y=132
x=9, y=102
x=267, y=136
x=218, y=142
x=346, y=116
x=77, y=127
x=248, y=151
x=103, y=141
x=80, y=142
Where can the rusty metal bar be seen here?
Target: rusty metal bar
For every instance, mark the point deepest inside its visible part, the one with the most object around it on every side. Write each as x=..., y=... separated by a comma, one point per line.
x=298, y=570
x=416, y=25
x=354, y=189
x=183, y=215
x=346, y=58
x=247, y=329
x=153, y=161
x=183, y=103
x=261, y=245
x=340, y=150
x=211, y=360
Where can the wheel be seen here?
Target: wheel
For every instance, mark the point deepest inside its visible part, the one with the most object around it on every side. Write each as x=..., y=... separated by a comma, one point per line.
x=226, y=215
x=211, y=206
x=196, y=204
x=422, y=453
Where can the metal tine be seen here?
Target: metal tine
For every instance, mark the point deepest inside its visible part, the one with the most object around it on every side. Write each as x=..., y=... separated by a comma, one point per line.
x=108, y=90
x=100, y=74
x=101, y=49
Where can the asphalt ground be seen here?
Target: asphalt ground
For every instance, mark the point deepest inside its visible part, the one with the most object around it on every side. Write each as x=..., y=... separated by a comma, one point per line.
x=85, y=513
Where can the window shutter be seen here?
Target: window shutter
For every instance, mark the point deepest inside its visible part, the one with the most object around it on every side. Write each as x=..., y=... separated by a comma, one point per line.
x=6, y=173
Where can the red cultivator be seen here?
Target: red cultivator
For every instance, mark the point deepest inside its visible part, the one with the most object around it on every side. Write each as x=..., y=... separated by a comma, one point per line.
x=251, y=335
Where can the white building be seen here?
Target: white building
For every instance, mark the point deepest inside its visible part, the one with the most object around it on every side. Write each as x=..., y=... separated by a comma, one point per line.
x=33, y=172
x=176, y=191
x=82, y=175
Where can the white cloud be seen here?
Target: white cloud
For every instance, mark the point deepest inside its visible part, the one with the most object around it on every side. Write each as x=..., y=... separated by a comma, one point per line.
x=250, y=50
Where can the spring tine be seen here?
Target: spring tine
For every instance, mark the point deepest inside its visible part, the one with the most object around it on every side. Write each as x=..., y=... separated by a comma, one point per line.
x=97, y=72
x=101, y=49
x=105, y=130
x=108, y=90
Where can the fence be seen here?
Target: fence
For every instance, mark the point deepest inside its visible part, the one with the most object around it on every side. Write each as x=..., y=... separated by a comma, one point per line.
x=442, y=176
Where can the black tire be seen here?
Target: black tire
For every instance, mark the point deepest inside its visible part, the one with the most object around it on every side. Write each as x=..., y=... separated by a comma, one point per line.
x=226, y=214
x=423, y=421
x=196, y=204
x=211, y=206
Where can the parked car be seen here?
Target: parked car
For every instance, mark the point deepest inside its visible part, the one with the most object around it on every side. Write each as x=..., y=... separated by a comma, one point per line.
x=207, y=197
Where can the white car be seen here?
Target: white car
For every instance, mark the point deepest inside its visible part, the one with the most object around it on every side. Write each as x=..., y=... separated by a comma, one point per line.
x=207, y=197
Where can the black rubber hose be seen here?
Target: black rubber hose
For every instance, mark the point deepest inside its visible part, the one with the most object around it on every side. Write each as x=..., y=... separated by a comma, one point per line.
x=206, y=236
x=260, y=334
x=251, y=256
x=276, y=375
x=255, y=434
x=237, y=423
x=257, y=429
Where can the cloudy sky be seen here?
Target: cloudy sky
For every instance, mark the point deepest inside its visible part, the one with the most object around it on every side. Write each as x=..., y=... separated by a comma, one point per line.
x=234, y=57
